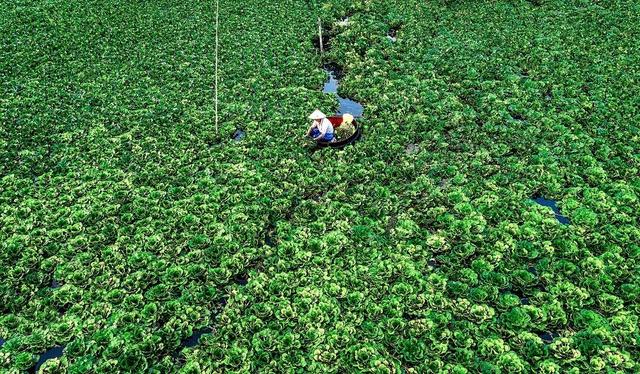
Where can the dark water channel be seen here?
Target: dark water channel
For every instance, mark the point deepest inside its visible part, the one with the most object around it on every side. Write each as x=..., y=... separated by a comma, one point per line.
x=331, y=86
x=548, y=336
x=54, y=352
x=553, y=205
x=194, y=339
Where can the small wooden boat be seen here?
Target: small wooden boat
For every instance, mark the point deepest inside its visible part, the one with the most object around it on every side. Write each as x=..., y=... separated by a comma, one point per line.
x=336, y=121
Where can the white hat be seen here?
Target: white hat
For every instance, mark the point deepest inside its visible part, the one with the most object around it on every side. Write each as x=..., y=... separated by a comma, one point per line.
x=317, y=114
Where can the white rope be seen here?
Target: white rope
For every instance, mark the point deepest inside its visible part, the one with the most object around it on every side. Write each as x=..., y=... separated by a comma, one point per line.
x=217, y=18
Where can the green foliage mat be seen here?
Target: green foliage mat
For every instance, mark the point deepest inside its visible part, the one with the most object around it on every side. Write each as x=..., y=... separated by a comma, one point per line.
x=127, y=223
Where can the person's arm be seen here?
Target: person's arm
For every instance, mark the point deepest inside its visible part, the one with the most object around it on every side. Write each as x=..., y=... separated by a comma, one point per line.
x=313, y=125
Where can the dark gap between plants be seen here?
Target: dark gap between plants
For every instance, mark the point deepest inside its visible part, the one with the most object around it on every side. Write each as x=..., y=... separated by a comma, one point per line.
x=548, y=336
x=391, y=223
x=194, y=339
x=294, y=204
x=552, y=204
x=241, y=279
x=269, y=235
x=516, y=293
x=238, y=135
x=409, y=317
x=326, y=41
x=54, y=352
x=55, y=284
x=392, y=34
x=268, y=240
x=64, y=308
x=517, y=116
x=36, y=185
x=214, y=141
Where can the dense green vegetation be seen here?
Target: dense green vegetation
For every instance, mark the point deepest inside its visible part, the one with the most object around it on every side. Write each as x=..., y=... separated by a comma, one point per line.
x=126, y=219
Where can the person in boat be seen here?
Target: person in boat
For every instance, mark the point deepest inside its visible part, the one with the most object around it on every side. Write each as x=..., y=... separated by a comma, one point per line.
x=321, y=129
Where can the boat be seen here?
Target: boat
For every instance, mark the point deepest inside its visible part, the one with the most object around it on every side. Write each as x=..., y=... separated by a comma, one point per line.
x=336, y=121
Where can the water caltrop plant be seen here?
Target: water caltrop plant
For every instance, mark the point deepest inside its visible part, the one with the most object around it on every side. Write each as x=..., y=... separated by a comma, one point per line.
x=137, y=235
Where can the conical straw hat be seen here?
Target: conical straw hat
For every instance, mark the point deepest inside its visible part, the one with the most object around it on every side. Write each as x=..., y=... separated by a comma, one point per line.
x=317, y=114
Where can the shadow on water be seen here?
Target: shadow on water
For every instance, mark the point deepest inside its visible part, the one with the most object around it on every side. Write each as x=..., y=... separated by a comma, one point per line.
x=54, y=352
x=269, y=235
x=552, y=204
x=194, y=339
x=331, y=86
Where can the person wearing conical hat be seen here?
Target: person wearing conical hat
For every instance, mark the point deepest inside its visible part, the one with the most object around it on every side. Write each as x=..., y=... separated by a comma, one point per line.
x=321, y=128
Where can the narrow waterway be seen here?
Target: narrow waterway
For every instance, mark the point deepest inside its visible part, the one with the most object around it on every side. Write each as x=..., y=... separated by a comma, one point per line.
x=346, y=105
x=194, y=339
x=52, y=353
x=553, y=205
